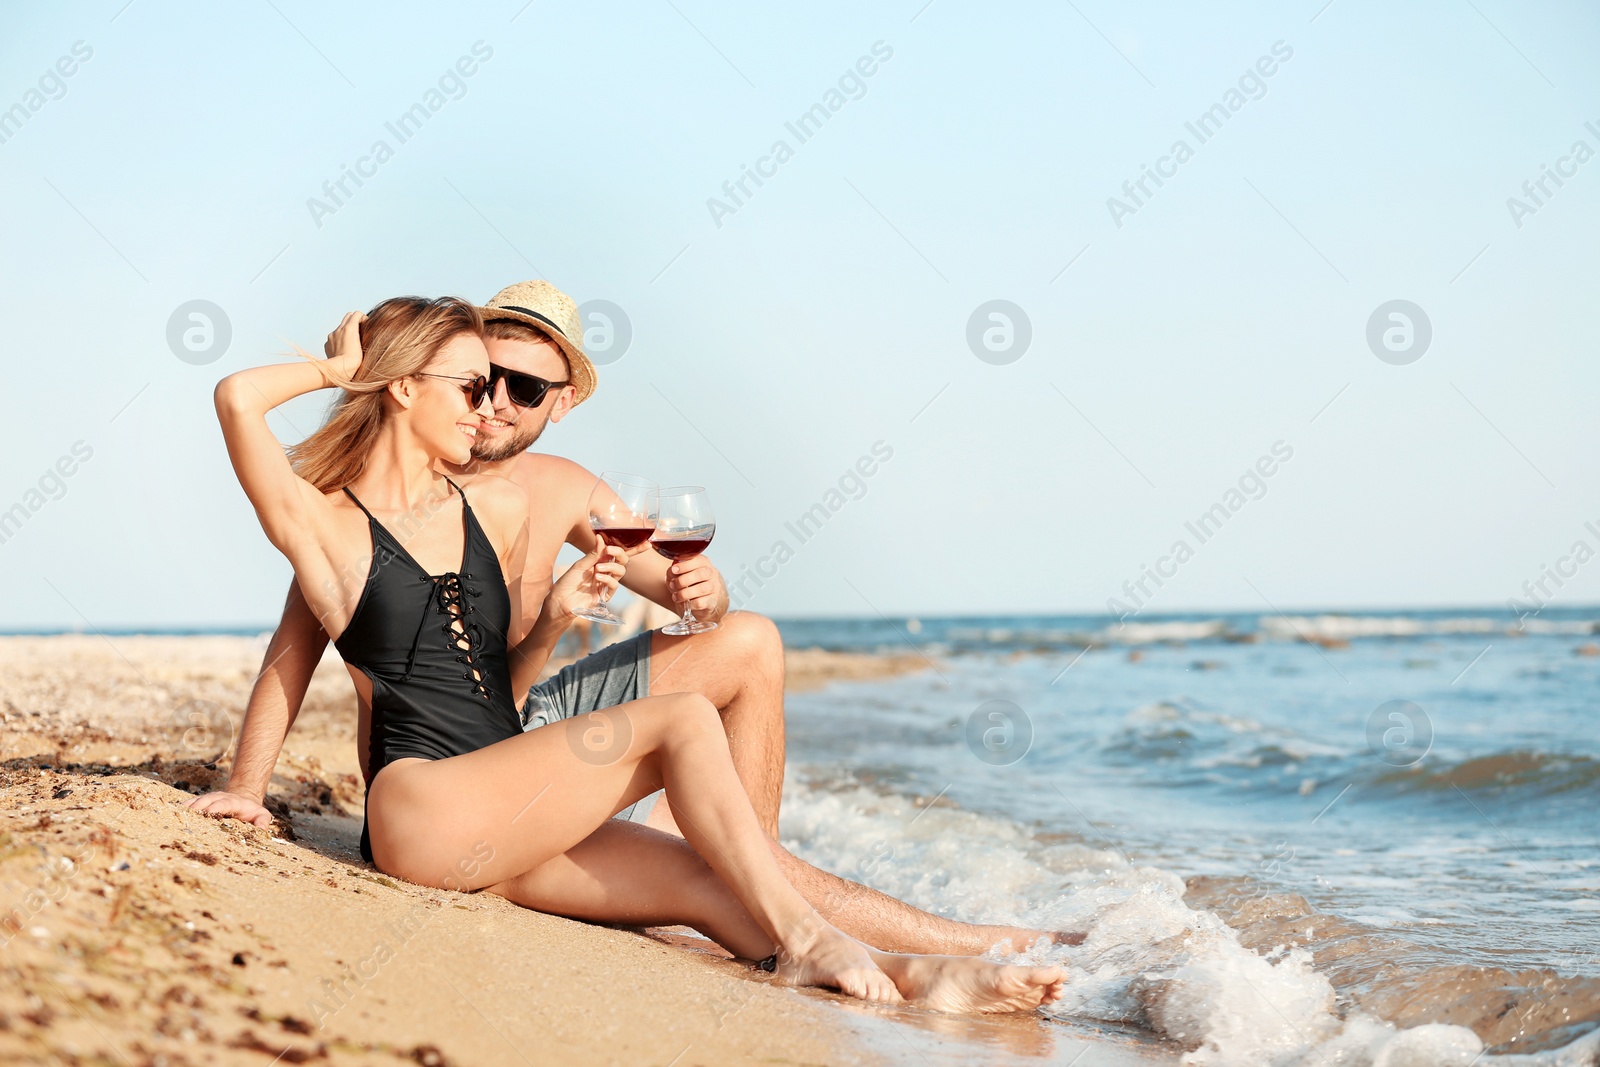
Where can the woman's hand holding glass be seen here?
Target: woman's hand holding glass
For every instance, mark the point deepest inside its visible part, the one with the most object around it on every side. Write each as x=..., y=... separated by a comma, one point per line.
x=586, y=584
x=622, y=514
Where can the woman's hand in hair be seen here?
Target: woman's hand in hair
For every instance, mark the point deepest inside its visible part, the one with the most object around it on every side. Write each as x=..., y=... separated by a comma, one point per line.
x=345, y=340
x=343, y=347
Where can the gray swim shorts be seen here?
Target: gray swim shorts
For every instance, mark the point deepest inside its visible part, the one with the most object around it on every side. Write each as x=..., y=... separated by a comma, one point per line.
x=614, y=675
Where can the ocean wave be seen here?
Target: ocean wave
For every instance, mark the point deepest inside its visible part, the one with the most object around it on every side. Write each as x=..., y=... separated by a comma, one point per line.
x=1356, y=627
x=1148, y=958
x=1539, y=773
x=1329, y=630
x=1375, y=969
x=1175, y=744
x=1194, y=746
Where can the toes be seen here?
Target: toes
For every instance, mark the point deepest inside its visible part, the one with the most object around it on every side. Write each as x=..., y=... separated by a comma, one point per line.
x=1022, y=988
x=883, y=990
x=852, y=985
x=873, y=986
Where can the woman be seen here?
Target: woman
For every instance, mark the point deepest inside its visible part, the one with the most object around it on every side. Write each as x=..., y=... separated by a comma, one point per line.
x=459, y=796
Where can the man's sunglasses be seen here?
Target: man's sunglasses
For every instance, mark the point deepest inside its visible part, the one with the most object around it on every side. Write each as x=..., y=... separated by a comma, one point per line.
x=524, y=390
x=476, y=388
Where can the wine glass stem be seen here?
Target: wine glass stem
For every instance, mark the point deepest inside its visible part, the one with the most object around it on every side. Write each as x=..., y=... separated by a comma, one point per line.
x=688, y=616
x=602, y=594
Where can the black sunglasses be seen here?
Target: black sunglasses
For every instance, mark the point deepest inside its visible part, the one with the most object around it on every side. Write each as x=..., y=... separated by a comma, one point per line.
x=524, y=390
x=476, y=388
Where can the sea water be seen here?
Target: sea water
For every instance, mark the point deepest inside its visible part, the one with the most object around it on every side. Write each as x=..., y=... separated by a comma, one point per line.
x=1424, y=787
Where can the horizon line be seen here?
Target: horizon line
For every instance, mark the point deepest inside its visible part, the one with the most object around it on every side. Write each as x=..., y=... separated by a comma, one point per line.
x=253, y=629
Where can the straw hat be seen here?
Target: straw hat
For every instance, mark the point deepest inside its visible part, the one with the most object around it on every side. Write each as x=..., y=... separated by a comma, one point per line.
x=553, y=313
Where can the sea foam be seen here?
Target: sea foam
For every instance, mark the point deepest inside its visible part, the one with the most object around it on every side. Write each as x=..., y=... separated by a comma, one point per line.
x=1148, y=958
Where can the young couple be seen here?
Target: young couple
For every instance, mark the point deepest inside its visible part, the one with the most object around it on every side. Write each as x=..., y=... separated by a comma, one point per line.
x=446, y=613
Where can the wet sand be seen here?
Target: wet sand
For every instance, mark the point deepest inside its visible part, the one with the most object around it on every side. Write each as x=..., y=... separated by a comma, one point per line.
x=136, y=931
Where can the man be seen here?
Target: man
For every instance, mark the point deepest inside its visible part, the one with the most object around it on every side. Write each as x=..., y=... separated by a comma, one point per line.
x=540, y=373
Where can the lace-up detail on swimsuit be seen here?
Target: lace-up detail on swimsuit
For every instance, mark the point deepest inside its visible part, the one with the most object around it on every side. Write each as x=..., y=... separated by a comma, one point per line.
x=456, y=602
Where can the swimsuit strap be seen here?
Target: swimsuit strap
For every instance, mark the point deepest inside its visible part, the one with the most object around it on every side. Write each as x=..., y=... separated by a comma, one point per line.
x=360, y=505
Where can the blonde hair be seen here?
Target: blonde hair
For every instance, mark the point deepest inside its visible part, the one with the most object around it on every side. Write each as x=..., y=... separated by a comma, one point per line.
x=400, y=337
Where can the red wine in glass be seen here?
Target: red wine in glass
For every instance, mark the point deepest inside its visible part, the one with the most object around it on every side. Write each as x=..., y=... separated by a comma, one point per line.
x=684, y=528
x=682, y=547
x=624, y=536
x=621, y=513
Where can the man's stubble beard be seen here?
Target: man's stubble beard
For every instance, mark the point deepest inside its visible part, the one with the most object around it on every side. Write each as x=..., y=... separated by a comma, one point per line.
x=519, y=442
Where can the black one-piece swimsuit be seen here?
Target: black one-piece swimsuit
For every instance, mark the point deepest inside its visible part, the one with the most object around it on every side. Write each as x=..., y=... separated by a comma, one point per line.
x=438, y=690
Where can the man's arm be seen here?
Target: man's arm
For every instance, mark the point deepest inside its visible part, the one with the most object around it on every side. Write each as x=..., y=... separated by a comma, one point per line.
x=695, y=581
x=292, y=657
x=561, y=489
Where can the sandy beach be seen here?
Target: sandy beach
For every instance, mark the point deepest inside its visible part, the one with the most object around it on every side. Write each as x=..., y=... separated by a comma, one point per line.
x=136, y=931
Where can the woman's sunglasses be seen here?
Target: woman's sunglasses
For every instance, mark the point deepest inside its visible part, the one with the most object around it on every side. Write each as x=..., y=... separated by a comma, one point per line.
x=476, y=388
x=524, y=390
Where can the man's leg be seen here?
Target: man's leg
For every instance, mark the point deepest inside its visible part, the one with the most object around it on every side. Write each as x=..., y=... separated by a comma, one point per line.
x=739, y=668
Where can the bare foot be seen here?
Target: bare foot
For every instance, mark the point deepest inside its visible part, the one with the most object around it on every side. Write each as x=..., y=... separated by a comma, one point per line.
x=823, y=956
x=964, y=984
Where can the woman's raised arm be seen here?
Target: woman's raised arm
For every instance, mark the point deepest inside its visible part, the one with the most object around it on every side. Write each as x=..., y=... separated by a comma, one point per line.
x=285, y=503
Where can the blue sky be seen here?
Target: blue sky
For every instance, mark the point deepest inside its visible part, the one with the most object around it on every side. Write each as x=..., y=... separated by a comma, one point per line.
x=775, y=344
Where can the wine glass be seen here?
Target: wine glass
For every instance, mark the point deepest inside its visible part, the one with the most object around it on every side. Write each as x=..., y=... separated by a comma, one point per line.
x=621, y=510
x=684, y=527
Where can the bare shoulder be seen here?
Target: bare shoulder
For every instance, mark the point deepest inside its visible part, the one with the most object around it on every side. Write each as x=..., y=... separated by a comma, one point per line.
x=560, y=486
x=546, y=474
x=501, y=505
x=345, y=512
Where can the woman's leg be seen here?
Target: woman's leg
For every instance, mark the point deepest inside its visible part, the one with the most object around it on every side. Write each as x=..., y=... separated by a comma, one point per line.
x=629, y=874
x=485, y=817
